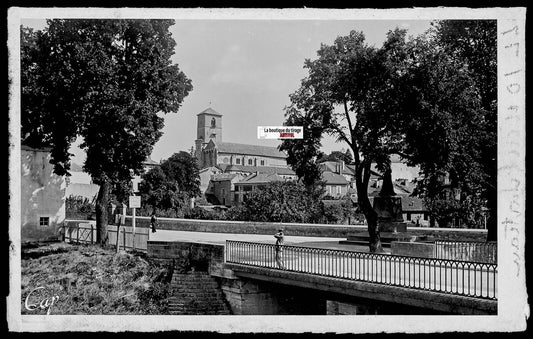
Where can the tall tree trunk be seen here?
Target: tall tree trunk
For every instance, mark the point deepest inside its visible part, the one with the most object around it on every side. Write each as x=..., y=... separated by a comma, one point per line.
x=362, y=179
x=102, y=201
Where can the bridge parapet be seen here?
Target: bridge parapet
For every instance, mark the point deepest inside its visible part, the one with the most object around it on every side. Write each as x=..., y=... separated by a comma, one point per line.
x=422, y=299
x=470, y=279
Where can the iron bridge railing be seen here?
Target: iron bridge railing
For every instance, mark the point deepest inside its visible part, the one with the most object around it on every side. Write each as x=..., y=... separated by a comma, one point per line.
x=473, y=279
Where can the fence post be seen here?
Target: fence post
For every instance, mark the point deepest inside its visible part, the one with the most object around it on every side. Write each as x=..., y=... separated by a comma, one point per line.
x=124, y=237
x=78, y=234
x=92, y=233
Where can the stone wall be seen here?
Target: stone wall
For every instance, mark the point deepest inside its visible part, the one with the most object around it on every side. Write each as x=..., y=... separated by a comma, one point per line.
x=294, y=229
x=188, y=255
x=413, y=249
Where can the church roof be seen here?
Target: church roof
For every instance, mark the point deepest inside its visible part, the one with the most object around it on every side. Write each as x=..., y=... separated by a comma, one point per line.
x=210, y=111
x=245, y=149
x=260, y=169
x=261, y=178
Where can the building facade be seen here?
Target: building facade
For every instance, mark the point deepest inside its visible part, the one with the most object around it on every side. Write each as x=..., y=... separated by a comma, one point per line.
x=42, y=206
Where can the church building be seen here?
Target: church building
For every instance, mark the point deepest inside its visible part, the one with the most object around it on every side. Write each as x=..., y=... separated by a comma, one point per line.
x=210, y=150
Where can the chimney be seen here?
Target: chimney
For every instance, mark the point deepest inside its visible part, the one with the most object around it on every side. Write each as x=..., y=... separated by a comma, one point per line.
x=340, y=166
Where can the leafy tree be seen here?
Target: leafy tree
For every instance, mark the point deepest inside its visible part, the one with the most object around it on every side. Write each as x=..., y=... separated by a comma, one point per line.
x=338, y=212
x=474, y=43
x=171, y=185
x=183, y=169
x=103, y=80
x=282, y=202
x=378, y=100
x=303, y=154
x=345, y=156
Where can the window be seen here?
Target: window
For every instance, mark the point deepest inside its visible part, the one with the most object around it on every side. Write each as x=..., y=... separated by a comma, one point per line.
x=44, y=221
x=247, y=188
x=408, y=217
x=425, y=216
x=236, y=199
x=238, y=161
x=262, y=163
x=213, y=123
x=250, y=162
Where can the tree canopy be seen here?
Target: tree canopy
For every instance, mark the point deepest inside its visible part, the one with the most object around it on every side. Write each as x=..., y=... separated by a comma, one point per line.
x=172, y=184
x=103, y=80
x=283, y=202
x=411, y=97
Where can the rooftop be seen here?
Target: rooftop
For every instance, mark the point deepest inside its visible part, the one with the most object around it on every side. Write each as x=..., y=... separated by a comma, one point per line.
x=223, y=176
x=259, y=169
x=261, y=178
x=333, y=178
x=245, y=149
x=210, y=111
x=332, y=166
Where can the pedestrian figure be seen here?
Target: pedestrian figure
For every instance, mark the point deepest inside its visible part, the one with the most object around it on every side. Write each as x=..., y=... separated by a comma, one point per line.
x=153, y=222
x=279, y=248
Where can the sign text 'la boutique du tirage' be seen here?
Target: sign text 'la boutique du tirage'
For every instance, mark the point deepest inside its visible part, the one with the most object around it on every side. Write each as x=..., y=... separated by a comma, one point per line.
x=280, y=132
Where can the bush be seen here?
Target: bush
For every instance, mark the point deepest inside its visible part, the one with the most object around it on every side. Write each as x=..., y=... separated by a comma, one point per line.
x=79, y=204
x=283, y=202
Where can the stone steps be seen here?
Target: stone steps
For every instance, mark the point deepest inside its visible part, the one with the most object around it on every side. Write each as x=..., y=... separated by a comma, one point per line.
x=197, y=293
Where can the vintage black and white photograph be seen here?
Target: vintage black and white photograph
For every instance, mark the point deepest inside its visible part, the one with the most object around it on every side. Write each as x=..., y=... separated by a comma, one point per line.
x=216, y=164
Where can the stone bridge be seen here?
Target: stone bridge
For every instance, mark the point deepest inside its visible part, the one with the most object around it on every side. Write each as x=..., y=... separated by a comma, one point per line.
x=255, y=286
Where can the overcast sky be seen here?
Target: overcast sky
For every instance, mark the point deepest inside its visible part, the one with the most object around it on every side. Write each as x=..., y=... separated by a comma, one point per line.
x=246, y=69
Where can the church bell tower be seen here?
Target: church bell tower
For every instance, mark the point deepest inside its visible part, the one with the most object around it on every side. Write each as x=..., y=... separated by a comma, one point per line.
x=209, y=127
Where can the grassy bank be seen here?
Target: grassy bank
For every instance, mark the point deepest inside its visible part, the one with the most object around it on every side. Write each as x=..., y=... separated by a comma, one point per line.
x=88, y=279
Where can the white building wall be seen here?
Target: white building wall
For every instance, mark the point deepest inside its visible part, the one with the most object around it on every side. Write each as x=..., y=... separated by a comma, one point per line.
x=42, y=196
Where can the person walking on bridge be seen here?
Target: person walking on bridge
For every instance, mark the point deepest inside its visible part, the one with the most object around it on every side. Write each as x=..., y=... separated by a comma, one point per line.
x=153, y=222
x=279, y=248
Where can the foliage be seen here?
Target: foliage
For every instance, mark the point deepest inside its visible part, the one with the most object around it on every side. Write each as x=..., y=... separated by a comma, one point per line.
x=354, y=77
x=345, y=156
x=410, y=97
x=103, y=80
x=171, y=185
x=182, y=168
x=474, y=43
x=200, y=213
x=340, y=212
x=237, y=213
x=283, y=202
x=79, y=204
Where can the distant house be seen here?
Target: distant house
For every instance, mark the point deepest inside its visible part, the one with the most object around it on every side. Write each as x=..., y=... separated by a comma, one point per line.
x=339, y=167
x=148, y=164
x=221, y=188
x=205, y=177
x=246, y=186
x=80, y=184
x=336, y=185
x=42, y=206
x=284, y=172
x=414, y=211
